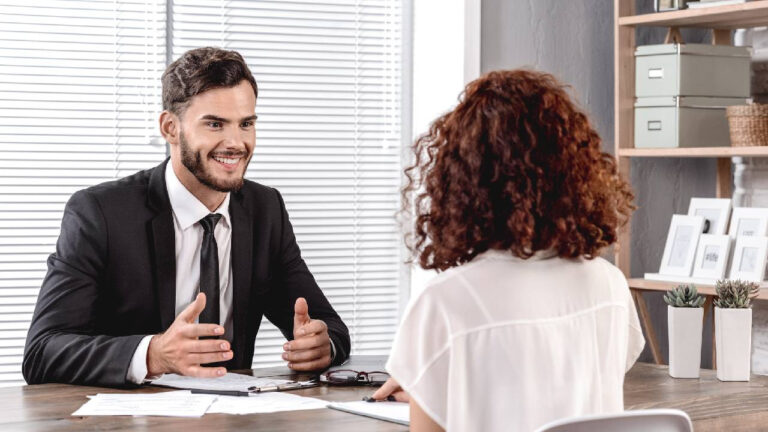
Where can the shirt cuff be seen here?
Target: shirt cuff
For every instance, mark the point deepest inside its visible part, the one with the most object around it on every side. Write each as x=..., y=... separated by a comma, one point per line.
x=333, y=350
x=137, y=371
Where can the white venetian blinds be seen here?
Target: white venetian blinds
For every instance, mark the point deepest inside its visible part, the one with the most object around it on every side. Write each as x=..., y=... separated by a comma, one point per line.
x=328, y=137
x=79, y=99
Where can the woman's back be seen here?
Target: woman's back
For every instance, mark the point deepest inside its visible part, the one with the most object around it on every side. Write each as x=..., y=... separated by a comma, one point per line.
x=502, y=343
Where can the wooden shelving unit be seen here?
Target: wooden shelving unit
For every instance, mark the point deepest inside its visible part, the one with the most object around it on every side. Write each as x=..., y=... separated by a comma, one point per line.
x=721, y=19
x=652, y=285
x=696, y=152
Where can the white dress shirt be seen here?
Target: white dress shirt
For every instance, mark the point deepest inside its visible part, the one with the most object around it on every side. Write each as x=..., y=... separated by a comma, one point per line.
x=187, y=211
x=502, y=343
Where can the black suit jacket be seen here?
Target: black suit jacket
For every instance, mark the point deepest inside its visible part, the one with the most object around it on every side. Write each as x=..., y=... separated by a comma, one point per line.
x=112, y=280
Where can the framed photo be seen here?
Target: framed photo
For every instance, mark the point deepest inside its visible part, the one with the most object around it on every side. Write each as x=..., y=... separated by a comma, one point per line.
x=680, y=249
x=748, y=222
x=716, y=212
x=749, y=258
x=712, y=256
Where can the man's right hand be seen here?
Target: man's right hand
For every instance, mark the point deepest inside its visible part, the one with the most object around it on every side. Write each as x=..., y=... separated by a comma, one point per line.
x=178, y=350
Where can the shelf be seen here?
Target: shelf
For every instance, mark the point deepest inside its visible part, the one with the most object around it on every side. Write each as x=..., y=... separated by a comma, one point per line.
x=744, y=15
x=652, y=285
x=695, y=152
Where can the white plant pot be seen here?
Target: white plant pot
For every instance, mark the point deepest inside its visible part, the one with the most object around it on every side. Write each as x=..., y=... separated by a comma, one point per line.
x=685, y=327
x=733, y=343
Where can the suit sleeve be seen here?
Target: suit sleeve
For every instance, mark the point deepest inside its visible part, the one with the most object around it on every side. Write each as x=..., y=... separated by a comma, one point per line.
x=61, y=343
x=294, y=280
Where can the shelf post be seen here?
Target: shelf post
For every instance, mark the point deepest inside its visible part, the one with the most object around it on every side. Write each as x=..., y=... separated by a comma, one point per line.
x=624, y=96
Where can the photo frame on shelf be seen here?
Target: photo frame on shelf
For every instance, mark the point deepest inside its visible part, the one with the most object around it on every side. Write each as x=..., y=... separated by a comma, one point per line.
x=748, y=222
x=749, y=257
x=716, y=213
x=680, y=248
x=712, y=255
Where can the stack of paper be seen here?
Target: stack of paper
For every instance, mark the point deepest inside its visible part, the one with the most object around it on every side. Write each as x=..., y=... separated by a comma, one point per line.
x=229, y=382
x=396, y=412
x=187, y=404
x=174, y=404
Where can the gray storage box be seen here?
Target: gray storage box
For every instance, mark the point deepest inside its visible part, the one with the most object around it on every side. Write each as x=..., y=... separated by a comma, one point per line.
x=692, y=70
x=665, y=122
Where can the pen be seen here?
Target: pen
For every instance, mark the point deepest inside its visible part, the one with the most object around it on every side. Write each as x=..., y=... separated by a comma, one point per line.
x=221, y=392
x=389, y=398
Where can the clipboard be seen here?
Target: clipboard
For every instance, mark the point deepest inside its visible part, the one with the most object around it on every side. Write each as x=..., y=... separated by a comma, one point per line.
x=232, y=384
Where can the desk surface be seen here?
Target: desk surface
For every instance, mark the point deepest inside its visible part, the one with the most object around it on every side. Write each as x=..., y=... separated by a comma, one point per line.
x=713, y=406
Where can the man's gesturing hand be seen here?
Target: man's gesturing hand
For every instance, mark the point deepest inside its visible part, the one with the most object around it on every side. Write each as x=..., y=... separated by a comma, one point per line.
x=178, y=349
x=310, y=348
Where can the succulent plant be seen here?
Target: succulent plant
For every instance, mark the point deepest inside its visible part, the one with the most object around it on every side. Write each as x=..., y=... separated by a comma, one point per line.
x=684, y=296
x=735, y=294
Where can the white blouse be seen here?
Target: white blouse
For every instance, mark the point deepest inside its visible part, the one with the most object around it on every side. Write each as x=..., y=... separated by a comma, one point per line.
x=506, y=344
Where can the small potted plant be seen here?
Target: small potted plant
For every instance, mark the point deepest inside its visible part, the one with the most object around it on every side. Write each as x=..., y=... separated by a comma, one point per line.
x=733, y=328
x=684, y=321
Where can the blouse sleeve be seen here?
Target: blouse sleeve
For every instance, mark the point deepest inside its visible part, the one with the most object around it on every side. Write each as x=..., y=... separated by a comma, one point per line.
x=420, y=355
x=635, y=339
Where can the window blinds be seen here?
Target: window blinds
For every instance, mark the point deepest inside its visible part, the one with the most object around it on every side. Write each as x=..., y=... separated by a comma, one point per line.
x=79, y=99
x=328, y=137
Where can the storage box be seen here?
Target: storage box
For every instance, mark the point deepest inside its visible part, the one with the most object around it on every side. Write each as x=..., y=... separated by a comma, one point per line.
x=692, y=70
x=665, y=122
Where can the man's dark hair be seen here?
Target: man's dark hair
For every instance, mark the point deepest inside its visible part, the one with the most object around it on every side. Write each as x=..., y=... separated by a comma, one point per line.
x=199, y=70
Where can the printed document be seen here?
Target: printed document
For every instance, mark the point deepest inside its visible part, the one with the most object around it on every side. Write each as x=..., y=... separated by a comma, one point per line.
x=172, y=404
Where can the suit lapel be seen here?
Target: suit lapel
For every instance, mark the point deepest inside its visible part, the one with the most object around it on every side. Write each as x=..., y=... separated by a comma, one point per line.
x=164, y=242
x=242, y=266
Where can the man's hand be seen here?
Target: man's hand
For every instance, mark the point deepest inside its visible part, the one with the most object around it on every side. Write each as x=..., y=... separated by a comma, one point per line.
x=391, y=388
x=310, y=348
x=178, y=350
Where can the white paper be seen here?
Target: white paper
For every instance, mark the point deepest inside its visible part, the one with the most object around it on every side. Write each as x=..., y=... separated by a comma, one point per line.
x=397, y=412
x=173, y=404
x=230, y=381
x=259, y=403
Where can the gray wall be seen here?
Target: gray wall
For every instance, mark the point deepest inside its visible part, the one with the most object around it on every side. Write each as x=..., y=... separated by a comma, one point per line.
x=574, y=41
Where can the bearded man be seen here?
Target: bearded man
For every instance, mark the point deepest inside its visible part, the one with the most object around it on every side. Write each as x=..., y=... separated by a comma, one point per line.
x=170, y=270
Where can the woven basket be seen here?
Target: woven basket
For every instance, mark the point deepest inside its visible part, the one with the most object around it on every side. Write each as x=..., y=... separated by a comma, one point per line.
x=748, y=124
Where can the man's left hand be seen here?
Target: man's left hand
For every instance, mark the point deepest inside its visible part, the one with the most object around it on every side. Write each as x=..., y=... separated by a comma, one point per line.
x=310, y=348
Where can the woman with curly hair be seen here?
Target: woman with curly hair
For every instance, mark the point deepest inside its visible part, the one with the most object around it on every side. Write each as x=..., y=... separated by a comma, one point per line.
x=514, y=201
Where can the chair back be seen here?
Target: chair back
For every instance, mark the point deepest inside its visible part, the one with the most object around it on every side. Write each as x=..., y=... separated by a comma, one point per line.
x=650, y=420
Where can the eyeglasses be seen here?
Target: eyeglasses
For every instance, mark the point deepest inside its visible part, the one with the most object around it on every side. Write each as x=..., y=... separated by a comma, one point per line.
x=352, y=377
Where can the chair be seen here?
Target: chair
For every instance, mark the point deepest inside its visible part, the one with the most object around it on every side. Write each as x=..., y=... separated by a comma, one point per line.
x=651, y=420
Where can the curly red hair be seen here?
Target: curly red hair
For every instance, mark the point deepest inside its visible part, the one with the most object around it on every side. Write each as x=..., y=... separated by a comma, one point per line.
x=515, y=166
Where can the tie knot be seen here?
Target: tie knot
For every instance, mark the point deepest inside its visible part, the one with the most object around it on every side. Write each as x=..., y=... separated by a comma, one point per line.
x=209, y=222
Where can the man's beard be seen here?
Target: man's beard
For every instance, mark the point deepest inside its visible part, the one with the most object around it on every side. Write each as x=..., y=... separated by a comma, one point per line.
x=193, y=161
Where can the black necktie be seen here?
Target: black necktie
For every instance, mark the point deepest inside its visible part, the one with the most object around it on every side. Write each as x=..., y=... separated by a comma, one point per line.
x=209, y=270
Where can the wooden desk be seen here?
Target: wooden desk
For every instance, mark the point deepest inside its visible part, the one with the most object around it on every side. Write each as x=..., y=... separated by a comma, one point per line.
x=48, y=407
x=712, y=405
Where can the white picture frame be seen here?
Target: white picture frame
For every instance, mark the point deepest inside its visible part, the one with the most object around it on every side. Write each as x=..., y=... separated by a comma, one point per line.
x=716, y=212
x=712, y=256
x=749, y=256
x=748, y=221
x=680, y=248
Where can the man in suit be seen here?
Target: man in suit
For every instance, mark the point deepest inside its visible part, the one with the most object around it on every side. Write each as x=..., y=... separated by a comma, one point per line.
x=170, y=270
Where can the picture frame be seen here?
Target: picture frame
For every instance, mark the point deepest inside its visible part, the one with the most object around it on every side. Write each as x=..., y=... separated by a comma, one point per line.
x=716, y=213
x=680, y=248
x=667, y=5
x=748, y=221
x=712, y=256
x=749, y=257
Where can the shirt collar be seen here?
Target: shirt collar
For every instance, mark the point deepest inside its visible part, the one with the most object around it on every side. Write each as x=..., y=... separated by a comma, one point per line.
x=537, y=256
x=187, y=209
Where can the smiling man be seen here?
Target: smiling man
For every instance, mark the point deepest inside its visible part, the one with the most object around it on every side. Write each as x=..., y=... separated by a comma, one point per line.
x=170, y=270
